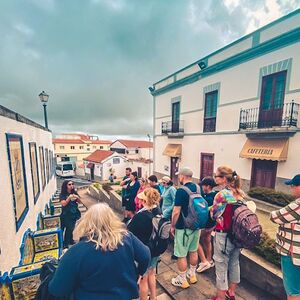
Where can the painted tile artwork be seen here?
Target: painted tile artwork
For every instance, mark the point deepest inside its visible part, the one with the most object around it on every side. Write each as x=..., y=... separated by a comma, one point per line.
x=5, y=292
x=16, y=155
x=28, y=253
x=34, y=170
x=46, y=255
x=42, y=164
x=25, y=288
x=52, y=222
x=46, y=242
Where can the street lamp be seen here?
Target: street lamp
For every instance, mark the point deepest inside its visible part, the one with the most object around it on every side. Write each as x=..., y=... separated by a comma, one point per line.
x=44, y=99
x=149, y=137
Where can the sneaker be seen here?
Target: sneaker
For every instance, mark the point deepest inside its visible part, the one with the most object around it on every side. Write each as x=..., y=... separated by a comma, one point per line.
x=212, y=263
x=177, y=281
x=228, y=297
x=203, y=267
x=192, y=278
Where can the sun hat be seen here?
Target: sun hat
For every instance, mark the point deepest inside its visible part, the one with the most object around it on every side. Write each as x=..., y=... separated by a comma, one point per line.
x=185, y=171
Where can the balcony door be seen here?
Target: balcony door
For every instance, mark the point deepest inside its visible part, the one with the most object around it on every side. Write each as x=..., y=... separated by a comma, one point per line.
x=210, y=111
x=175, y=116
x=271, y=100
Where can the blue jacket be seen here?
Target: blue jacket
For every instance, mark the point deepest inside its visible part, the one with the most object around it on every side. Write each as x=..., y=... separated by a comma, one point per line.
x=168, y=197
x=97, y=275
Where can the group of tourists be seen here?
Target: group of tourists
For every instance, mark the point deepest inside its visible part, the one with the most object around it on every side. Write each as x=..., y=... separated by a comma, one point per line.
x=114, y=259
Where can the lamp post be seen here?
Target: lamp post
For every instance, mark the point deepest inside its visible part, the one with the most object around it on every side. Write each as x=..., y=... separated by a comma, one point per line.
x=149, y=137
x=44, y=99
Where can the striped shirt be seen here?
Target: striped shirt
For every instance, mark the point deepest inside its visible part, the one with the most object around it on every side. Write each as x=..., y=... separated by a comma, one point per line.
x=288, y=236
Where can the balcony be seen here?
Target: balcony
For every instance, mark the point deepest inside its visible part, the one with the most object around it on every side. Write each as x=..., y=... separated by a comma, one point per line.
x=173, y=129
x=270, y=120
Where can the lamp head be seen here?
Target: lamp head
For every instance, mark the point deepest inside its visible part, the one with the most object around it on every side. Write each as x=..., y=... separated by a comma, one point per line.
x=43, y=97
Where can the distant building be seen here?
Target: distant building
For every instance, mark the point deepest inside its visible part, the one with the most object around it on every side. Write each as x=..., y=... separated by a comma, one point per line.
x=27, y=180
x=75, y=147
x=101, y=163
x=139, y=155
x=238, y=106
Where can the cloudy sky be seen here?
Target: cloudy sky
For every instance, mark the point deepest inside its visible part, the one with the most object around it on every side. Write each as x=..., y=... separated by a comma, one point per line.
x=97, y=58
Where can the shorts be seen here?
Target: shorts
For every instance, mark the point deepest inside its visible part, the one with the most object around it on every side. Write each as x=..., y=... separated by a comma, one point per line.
x=186, y=240
x=129, y=204
x=291, y=275
x=226, y=257
x=153, y=262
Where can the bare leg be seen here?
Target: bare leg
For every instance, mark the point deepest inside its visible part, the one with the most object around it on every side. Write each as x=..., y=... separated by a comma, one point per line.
x=144, y=288
x=221, y=294
x=232, y=288
x=207, y=246
x=182, y=264
x=201, y=254
x=193, y=258
x=152, y=283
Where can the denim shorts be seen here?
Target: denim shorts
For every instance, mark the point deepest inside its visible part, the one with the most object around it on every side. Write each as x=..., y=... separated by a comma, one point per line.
x=291, y=275
x=226, y=257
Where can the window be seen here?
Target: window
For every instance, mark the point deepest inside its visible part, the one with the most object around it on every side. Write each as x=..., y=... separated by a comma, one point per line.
x=81, y=147
x=61, y=147
x=88, y=149
x=116, y=160
x=72, y=147
x=101, y=147
x=136, y=151
x=210, y=111
x=94, y=147
x=175, y=116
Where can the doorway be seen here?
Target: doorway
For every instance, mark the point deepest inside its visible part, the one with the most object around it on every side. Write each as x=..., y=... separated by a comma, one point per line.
x=263, y=173
x=93, y=172
x=139, y=171
x=174, y=169
x=206, y=165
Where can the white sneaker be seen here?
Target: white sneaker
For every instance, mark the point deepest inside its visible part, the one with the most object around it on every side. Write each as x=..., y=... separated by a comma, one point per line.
x=212, y=263
x=203, y=267
x=192, y=278
x=177, y=281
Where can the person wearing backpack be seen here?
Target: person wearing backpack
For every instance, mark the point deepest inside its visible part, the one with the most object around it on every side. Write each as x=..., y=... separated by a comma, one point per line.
x=287, y=242
x=185, y=229
x=142, y=226
x=226, y=254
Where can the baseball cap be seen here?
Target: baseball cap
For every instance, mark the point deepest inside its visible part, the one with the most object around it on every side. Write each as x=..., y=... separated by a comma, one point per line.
x=294, y=181
x=208, y=181
x=185, y=171
x=165, y=179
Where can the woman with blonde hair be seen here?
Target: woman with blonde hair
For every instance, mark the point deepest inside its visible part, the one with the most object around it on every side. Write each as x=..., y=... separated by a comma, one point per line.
x=226, y=254
x=102, y=265
x=141, y=226
x=143, y=185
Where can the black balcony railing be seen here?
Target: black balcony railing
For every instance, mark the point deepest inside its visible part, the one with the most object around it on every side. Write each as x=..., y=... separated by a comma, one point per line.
x=209, y=125
x=172, y=127
x=286, y=116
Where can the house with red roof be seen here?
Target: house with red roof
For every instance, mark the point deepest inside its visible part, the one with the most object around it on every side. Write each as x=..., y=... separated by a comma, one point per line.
x=101, y=163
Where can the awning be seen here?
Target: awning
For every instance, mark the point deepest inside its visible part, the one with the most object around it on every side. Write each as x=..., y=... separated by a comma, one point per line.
x=173, y=150
x=90, y=165
x=269, y=149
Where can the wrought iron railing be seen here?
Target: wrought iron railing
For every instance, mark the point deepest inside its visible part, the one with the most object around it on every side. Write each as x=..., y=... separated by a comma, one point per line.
x=172, y=127
x=209, y=125
x=287, y=116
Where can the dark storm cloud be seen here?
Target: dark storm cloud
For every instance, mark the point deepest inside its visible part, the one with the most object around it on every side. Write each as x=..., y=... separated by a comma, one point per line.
x=96, y=58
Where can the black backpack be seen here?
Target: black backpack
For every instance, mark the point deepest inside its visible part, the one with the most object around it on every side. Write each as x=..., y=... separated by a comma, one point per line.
x=159, y=238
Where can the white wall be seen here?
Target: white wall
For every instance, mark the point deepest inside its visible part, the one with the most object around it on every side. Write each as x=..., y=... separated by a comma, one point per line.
x=10, y=240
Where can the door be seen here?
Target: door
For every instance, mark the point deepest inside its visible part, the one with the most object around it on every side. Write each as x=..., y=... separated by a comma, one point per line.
x=263, y=173
x=175, y=116
x=174, y=169
x=93, y=172
x=139, y=170
x=272, y=99
x=206, y=165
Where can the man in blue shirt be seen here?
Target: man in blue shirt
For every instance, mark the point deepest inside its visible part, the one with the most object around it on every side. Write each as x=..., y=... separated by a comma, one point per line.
x=185, y=240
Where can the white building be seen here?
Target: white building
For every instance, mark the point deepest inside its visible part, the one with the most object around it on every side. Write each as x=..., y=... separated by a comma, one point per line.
x=139, y=155
x=237, y=106
x=101, y=163
x=27, y=180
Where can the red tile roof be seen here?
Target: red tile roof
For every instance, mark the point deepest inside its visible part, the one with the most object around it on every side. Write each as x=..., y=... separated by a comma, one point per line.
x=99, y=155
x=100, y=142
x=136, y=144
x=67, y=141
x=81, y=141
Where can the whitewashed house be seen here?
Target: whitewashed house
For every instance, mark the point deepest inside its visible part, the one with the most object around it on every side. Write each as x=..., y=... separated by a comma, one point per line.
x=238, y=106
x=101, y=163
x=139, y=155
x=27, y=181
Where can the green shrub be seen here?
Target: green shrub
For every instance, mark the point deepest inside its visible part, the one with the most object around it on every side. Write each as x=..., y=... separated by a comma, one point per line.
x=97, y=185
x=119, y=192
x=271, y=196
x=114, y=183
x=267, y=250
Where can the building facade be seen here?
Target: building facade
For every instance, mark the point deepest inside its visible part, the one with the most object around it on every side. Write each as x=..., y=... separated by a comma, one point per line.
x=75, y=147
x=27, y=180
x=237, y=106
